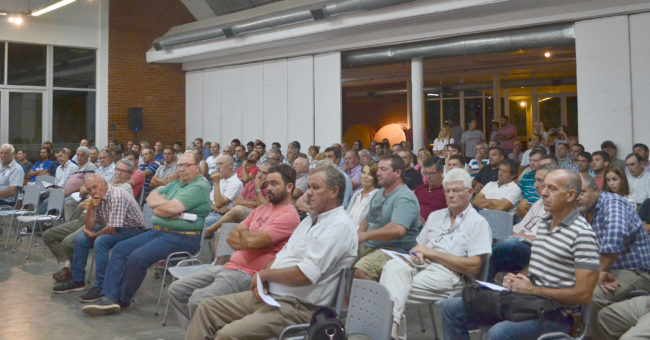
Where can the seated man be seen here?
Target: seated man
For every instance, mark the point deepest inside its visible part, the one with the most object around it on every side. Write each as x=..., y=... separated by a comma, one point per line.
x=256, y=241
x=12, y=176
x=301, y=166
x=128, y=264
x=624, y=247
x=106, y=166
x=352, y=168
x=489, y=173
x=248, y=170
x=431, y=195
x=302, y=278
x=454, y=242
x=393, y=220
x=527, y=182
x=504, y=194
x=480, y=160
x=112, y=215
x=148, y=168
x=137, y=176
x=412, y=178
x=226, y=188
x=168, y=169
x=626, y=320
x=45, y=167
x=512, y=254
x=84, y=169
x=563, y=267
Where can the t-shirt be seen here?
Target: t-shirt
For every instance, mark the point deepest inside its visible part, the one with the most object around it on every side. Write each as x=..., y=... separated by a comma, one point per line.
x=194, y=195
x=430, y=199
x=48, y=165
x=639, y=186
x=138, y=181
x=471, y=140
x=473, y=165
x=487, y=174
x=26, y=167
x=229, y=188
x=279, y=222
x=252, y=171
x=509, y=191
x=211, y=162
x=412, y=178
x=165, y=171
x=401, y=207
x=507, y=144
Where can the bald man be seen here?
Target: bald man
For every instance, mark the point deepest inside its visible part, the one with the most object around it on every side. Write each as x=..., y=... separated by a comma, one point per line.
x=227, y=187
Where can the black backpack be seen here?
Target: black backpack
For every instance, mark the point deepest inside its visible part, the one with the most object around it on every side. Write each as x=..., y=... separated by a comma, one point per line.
x=325, y=325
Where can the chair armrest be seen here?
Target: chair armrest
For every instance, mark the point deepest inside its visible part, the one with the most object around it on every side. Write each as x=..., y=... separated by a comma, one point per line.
x=188, y=262
x=554, y=336
x=293, y=329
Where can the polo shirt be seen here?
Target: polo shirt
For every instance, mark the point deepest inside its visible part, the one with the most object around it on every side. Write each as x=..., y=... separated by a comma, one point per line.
x=487, y=174
x=195, y=197
x=509, y=191
x=401, y=207
x=165, y=170
x=430, y=199
x=11, y=175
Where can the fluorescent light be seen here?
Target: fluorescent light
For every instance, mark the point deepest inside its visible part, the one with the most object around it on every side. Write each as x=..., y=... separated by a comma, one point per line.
x=52, y=7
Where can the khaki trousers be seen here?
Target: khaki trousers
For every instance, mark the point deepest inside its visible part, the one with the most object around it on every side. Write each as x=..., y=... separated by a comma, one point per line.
x=627, y=320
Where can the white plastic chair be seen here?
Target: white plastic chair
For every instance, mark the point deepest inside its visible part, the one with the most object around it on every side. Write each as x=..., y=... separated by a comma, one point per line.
x=55, y=210
x=500, y=222
x=370, y=311
x=29, y=206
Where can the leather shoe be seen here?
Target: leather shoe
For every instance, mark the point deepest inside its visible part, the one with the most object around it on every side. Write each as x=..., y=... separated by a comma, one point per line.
x=63, y=275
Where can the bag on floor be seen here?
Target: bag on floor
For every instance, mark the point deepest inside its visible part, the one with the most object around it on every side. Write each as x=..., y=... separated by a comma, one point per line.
x=325, y=325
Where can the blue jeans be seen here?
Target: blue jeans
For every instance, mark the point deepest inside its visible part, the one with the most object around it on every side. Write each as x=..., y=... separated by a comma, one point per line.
x=211, y=219
x=456, y=322
x=102, y=244
x=511, y=254
x=128, y=265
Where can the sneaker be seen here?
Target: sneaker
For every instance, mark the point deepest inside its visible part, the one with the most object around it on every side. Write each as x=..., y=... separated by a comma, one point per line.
x=105, y=306
x=92, y=295
x=25, y=231
x=69, y=286
x=63, y=275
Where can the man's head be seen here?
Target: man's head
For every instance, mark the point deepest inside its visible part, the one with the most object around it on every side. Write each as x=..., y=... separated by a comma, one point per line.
x=7, y=154
x=432, y=170
x=535, y=157
x=240, y=152
x=535, y=140
x=294, y=145
x=610, y=148
x=45, y=154
x=276, y=145
x=253, y=157
x=263, y=171
x=453, y=149
x=235, y=143
x=250, y=146
x=496, y=155
x=274, y=156
x=83, y=153
x=540, y=174
x=334, y=154
x=481, y=151
x=178, y=147
x=260, y=148
x=351, y=159
x=562, y=150
x=301, y=165
x=458, y=189
x=129, y=145
x=456, y=162
x=225, y=165
x=397, y=147
x=83, y=142
x=584, y=161
x=379, y=150
x=357, y=145
x=148, y=156
x=123, y=171
x=576, y=149
x=406, y=156
x=633, y=164
x=137, y=148
x=507, y=171
x=96, y=185
x=561, y=190
x=228, y=150
x=188, y=166
x=292, y=155
x=214, y=148
x=48, y=145
x=547, y=159
x=21, y=155
x=390, y=170
x=641, y=150
x=326, y=189
x=281, y=181
x=94, y=155
x=198, y=143
x=472, y=124
x=105, y=159
x=169, y=154
x=599, y=161
x=364, y=157
x=504, y=120
x=158, y=147
x=589, y=195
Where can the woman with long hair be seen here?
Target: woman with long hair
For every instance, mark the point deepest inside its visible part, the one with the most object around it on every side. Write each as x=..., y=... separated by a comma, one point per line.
x=444, y=138
x=360, y=201
x=616, y=182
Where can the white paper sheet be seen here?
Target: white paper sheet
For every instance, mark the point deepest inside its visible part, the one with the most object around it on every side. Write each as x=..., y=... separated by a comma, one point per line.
x=189, y=217
x=491, y=286
x=47, y=184
x=265, y=297
x=76, y=196
x=403, y=258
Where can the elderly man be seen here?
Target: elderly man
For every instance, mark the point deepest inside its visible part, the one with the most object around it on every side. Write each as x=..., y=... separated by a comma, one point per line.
x=393, y=220
x=638, y=178
x=167, y=171
x=106, y=166
x=274, y=156
x=527, y=182
x=12, y=176
x=301, y=166
x=365, y=157
x=352, y=168
x=431, y=195
x=83, y=170
x=302, y=278
x=112, y=215
x=60, y=239
x=174, y=231
x=624, y=247
x=256, y=241
x=563, y=267
x=226, y=188
x=454, y=242
x=503, y=194
x=148, y=168
x=334, y=154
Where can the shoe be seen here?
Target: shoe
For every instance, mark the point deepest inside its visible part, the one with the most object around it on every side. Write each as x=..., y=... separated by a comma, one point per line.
x=105, y=306
x=63, y=275
x=92, y=295
x=69, y=286
x=25, y=231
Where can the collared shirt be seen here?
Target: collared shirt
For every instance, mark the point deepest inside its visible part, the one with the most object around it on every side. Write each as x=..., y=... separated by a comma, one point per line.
x=528, y=225
x=570, y=166
x=639, y=186
x=620, y=230
x=321, y=246
x=151, y=168
x=166, y=170
x=11, y=175
x=194, y=196
x=557, y=253
x=509, y=191
x=302, y=182
x=63, y=172
x=211, y=162
x=470, y=236
x=355, y=175
x=527, y=186
x=108, y=172
x=358, y=207
x=119, y=209
x=430, y=199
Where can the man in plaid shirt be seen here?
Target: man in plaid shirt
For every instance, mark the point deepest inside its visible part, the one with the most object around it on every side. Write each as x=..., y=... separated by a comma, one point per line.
x=113, y=215
x=624, y=247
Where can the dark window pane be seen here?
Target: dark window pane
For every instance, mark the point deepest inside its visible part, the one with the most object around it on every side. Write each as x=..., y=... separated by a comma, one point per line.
x=25, y=118
x=26, y=65
x=550, y=112
x=518, y=116
x=73, y=116
x=572, y=115
x=432, y=119
x=2, y=62
x=451, y=110
x=74, y=67
x=474, y=110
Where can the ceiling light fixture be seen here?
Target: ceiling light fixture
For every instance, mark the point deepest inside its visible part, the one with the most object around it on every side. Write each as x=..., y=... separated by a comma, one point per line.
x=15, y=19
x=52, y=7
x=547, y=54
x=522, y=103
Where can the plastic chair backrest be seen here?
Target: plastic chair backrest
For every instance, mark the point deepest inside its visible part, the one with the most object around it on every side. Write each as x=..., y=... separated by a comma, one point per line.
x=55, y=201
x=44, y=178
x=483, y=272
x=370, y=311
x=148, y=214
x=32, y=196
x=500, y=222
x=223, y=248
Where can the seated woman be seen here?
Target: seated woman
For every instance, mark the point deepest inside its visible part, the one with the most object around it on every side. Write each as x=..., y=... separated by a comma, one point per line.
x=360, y=201
x=616, y=182
x=443, y=139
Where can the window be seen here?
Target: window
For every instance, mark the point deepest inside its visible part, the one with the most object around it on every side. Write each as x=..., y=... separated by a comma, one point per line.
x=25, y=118
x=572, y=115
x=74, y=67
x=518, y=115
x=26, y=64
x=550, y=112
x=432, y=119
x=73, y=116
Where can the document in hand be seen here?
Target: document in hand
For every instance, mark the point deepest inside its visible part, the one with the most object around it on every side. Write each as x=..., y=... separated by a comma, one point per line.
x=265, y=297
x=491, y=286
x=403, y=258
x=189, y=217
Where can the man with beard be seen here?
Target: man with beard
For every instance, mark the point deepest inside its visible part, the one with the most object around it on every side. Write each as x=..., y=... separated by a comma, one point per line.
x=256, y=241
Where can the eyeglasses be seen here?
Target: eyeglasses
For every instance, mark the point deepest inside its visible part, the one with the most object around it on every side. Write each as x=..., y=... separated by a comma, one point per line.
x=185, y=165
x=455, y=191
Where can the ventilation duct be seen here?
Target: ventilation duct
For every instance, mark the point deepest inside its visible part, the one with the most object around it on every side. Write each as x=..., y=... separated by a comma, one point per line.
x=273, y=20
x=492, y=42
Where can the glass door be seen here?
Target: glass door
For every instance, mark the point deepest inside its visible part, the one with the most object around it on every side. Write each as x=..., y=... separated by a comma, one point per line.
x=21, y=119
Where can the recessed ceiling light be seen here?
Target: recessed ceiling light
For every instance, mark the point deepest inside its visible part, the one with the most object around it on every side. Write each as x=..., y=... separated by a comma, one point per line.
x=547, y=54
x=522, y=103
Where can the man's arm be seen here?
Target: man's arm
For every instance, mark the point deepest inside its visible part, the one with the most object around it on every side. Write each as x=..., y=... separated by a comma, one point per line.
x=219, y=199
x=290, y=276
x=523, y=207
x=606, y=280
x=242, y=238
x=579, y=294
x=389, y=232
x=9, y=192
x=464, y=265
x=157, y=182
x=483, y=203
x=163, y=207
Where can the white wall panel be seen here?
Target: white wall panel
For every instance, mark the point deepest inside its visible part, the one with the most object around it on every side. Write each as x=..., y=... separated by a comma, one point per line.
x=193, y=105
x=212, y=104
x=275, y=102
x=327, y=98
x=603, y=76
x=231, y=108
x=640, y=55
x=300, y=87
x=253, y=102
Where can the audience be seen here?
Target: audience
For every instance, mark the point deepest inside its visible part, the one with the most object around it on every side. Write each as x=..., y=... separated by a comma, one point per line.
x=411, y=177
x=489, y=173
x=360, y=201
x=502, y=194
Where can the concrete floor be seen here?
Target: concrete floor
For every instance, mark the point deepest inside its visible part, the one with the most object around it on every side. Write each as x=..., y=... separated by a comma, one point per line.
x=30, y=311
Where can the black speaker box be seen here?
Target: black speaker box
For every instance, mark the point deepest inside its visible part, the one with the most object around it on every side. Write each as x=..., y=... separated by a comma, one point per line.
x=135, y=119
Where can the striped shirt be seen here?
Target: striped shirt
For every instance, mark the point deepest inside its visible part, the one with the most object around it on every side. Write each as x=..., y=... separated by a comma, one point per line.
x=527, y=186
x=119, y=209
x=557, y=253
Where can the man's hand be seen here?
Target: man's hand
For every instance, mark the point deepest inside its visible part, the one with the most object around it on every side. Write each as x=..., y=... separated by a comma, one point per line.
x=216, y=177
x=90, y=234
x=421, y=250
x=259, y=183
x=520, y=283
x=362, y=236
x=254, y=285
x=422, y=221
x=607, y=282
x=94, y=203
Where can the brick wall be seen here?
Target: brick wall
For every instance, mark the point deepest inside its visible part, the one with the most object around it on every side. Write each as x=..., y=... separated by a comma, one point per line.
x=132, y=82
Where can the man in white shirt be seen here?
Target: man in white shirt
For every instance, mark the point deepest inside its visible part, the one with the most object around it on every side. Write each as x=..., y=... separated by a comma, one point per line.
x=503, y=194
x=301, y=165
x=227, y=187
x=11, y=175
x=211, y=161
x=302, y=278
x=454, y=242
x=638, y=178
x=65, y=170
x=106, y=166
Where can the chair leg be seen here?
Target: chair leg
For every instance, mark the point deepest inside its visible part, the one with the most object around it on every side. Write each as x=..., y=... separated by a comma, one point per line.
x=31, y=238
x=11, y=224
x=433, y=320
x=166, y=311
x=92, y=266
x=162, y=285
x=13, y=250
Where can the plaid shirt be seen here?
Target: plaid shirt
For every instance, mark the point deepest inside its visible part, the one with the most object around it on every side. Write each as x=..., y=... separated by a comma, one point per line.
x=620, y=230
x=119, y=209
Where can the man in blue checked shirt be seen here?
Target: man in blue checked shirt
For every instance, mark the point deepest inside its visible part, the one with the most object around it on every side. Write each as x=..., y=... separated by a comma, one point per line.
x=624, y=247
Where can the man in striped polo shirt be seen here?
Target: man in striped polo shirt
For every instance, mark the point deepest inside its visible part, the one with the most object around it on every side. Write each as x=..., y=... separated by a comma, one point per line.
x=563, y=266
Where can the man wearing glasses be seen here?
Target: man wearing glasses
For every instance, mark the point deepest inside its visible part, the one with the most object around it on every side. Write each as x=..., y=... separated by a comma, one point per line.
x=431, y=195
x=453, y=243
x=179, y=211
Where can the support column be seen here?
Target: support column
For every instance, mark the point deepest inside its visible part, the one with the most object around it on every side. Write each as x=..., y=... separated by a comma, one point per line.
x=417, y=103
x=496, y=96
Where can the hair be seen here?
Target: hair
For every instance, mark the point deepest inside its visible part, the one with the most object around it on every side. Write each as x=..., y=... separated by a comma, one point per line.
x=589, y=180
x=549, y=167
x=364, y=152
x=236, y=141
x=538, y=151
x=261, y=144
x=396, y=162
x=604, y=155
x=360, y=143
x=287, y=173
x=551, y=157
x=563, y=143
x=94, y=148
x=640, y=145
x=354, y=153
x=197, y=156
x=296, y=144
x=128, y=163
x=453, y=146
x=437, y=162
x=582, y=147
x=586, y=155
x=49, y=152
x=333, y=177
x=199, y=139
x=8, y=146
x=624, y=190
x=168, y=147
x=447, y=131
x=372, y=166
x=315, y=147
x=638, y=158
x=277, y=152
x=178, y=143
x=514, y=167
x=250, y=144
x=337, y=151
x=608, y=144
x=458, y=175
x=460, y=158
x=145, y=144
x=503, y=153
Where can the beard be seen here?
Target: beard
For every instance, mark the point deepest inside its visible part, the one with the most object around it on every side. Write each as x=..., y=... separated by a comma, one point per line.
x=275, y=199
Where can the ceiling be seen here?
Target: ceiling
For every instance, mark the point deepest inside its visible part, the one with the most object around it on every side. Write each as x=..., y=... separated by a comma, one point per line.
x=222, y=7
